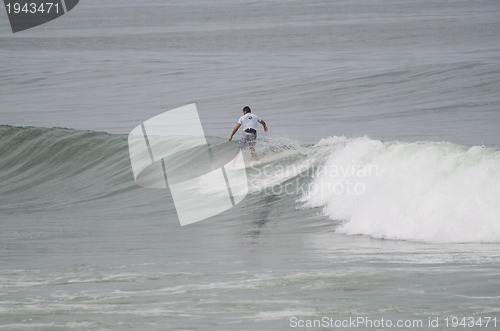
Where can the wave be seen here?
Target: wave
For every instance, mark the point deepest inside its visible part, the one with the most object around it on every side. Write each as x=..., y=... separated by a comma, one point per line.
x=44, y=168
x=421, y=191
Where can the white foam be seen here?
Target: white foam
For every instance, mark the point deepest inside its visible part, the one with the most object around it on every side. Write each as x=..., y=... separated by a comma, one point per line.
x=422, y=191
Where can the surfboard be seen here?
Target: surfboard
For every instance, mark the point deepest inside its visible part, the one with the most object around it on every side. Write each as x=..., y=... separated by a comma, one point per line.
x=270, y=158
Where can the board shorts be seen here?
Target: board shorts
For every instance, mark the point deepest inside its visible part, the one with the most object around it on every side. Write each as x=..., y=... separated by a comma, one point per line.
x=248, y=138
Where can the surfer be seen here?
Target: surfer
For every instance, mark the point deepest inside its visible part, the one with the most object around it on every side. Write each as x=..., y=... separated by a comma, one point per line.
x=249, y=122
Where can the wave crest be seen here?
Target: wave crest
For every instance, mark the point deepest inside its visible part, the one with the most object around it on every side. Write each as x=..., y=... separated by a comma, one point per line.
x=421, y=191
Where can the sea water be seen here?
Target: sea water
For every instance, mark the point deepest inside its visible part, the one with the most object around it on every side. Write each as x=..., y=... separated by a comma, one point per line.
x=383, y=207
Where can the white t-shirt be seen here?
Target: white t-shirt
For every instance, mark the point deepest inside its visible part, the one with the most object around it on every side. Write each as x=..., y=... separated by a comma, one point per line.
x=249, y=121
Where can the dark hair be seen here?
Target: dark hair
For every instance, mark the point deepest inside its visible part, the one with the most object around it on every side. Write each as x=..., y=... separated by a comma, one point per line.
x=247, y=109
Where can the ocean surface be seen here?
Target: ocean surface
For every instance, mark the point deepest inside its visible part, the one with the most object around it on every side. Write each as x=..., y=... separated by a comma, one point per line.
x=377, y=198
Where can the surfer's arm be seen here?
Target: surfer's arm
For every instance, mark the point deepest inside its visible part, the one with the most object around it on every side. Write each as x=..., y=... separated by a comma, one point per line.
x=234, y=131
x=264, y=125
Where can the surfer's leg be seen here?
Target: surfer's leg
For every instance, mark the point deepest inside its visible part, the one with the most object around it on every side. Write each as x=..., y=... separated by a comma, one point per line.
x=254, y=156
x=251, y=143
x=242, y=144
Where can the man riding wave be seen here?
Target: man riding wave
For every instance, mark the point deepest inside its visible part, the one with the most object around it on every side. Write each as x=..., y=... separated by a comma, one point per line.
x=249, y=122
